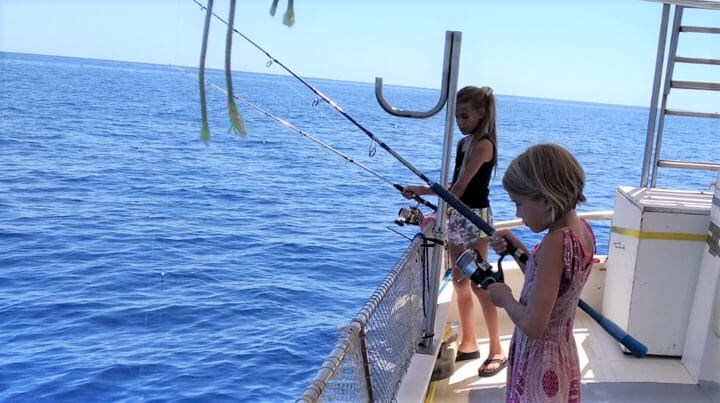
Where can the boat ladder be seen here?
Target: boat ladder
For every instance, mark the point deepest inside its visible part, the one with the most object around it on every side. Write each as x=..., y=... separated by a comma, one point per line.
x=669, y=83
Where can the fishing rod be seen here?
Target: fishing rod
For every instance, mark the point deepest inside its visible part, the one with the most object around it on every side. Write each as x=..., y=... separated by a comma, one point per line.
x=632, y=344
x=439, y=190
x=311, y=138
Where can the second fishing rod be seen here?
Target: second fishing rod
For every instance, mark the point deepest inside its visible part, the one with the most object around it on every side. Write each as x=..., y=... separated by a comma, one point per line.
x=443, y=193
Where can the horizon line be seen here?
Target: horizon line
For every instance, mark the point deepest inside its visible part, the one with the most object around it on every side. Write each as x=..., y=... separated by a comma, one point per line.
x=319, y=78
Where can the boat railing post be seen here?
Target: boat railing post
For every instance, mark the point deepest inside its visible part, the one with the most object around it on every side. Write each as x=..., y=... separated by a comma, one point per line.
x=451, y=68
x=439, y=250
x=655, y=95
x=366, y=362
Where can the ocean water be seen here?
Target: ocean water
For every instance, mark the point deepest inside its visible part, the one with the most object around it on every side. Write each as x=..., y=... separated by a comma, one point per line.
x=137, y=263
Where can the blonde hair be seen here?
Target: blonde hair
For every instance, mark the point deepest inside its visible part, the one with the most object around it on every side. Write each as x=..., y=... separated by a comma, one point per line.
x=547, y=171
x=482, y=99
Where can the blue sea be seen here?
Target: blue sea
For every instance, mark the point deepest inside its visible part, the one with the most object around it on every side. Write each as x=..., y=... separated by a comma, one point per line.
x=138, y=263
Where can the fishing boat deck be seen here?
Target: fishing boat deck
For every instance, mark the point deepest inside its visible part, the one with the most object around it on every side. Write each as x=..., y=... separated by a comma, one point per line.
x=608, y=374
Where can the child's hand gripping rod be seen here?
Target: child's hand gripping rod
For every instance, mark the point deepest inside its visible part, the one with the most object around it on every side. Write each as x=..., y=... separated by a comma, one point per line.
x=417, y=198
x=463, y=209
x=633, y=345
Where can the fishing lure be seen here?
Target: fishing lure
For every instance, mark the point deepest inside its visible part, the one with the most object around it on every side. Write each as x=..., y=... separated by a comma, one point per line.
x=205, y=131
x=237, y=124
x=236, y=121
x=289, y=17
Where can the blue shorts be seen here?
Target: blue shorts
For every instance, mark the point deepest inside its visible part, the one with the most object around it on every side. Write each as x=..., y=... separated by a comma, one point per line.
x=460, y=231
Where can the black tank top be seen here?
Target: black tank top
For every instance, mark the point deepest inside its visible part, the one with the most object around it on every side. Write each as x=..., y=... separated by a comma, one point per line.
x=478, y=190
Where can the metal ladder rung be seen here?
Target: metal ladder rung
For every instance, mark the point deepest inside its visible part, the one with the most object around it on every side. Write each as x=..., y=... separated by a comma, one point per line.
x=695, y=85
x=692, y=114
x=696, y=60
x=704, y=30
x=698, y=166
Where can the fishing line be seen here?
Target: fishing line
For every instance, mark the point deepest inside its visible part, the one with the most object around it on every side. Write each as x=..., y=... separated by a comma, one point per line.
x=443, y=193
x=142, y=392
x=399, y=233
x=310, y=137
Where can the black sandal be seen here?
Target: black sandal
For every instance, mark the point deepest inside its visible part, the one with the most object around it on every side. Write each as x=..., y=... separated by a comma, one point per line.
x=467, y=356
x=502, y=363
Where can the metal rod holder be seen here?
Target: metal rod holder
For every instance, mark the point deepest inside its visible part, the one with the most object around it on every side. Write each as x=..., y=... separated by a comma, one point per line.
x=449, y=38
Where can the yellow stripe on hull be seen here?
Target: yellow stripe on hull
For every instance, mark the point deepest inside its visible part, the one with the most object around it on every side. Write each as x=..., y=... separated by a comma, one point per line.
x=674, y=236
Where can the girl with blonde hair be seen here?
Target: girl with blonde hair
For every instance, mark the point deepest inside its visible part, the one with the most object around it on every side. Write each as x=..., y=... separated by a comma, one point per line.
x=475, y=161
x=546, y=184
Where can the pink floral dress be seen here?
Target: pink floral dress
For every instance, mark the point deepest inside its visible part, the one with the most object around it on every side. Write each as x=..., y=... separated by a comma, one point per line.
x=546, y=369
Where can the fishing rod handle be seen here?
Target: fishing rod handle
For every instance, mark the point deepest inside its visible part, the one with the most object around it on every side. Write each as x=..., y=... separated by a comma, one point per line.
x=515, y=252
x=461, y=207
x=466, y=212
x=416, y=197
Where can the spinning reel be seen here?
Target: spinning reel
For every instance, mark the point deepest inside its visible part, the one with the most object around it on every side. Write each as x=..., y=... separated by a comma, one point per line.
x=409, y=216
x=478, y=270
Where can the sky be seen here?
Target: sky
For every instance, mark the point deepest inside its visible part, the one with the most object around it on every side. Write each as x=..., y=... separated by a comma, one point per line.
x=583, y=50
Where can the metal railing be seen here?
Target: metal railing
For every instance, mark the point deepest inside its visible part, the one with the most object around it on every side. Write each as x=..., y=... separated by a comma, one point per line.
x=600, y=215
x=373, y=352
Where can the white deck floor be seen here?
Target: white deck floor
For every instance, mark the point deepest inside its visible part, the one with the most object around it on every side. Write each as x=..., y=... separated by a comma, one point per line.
x=608, y=375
